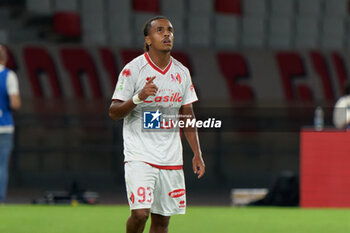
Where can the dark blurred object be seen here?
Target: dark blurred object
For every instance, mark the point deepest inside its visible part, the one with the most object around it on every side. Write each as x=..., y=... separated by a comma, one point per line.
x=284, y=192
x=67, y=24
x=72, y=196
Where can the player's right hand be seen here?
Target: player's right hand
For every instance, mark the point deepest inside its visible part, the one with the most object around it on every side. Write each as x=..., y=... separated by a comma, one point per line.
x=149, y=89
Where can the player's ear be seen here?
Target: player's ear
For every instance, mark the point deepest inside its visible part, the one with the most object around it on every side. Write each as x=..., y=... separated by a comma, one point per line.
x=148, y=40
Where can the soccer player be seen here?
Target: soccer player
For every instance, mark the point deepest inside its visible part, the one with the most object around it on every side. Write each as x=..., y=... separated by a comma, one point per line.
x=153, y=159
x=9, y=100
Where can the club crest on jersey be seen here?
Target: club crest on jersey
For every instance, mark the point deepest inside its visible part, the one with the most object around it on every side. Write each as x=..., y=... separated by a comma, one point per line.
x=151, y=119
x=176, y=78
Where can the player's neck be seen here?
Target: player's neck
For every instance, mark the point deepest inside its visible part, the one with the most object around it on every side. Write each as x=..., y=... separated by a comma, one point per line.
x=160, y=59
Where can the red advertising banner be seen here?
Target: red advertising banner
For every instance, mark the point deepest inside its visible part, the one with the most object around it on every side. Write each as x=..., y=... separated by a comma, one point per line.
x=324, y=171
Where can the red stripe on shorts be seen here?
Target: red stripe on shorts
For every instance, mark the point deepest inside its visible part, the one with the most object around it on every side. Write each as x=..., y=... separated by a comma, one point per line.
x=175, y=167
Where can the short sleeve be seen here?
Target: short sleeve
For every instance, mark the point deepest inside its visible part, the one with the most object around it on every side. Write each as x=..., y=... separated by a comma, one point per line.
x=190, y=95
x=12, y=83
x=125, y=87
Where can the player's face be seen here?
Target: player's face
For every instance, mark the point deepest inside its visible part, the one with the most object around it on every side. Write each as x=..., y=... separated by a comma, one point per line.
x=161, y=35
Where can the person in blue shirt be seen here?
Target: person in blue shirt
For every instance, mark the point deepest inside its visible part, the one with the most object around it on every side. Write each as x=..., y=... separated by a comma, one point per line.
x=9, y=101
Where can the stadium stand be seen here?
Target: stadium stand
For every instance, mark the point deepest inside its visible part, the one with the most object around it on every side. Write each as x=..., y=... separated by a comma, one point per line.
x=150, y=6
x=309, y=7
x=201, y=7
x=254, y=8
x=200, y=23
x=67, y=24
x=200, y=31
x=37, y=61
x=39, y=7
x=282, y=8
x=176, y=8
x=228, y=7
x=307, y=32
x=337, y=8
x=120, y=34
x=332, y=33
x=280, y=31
x=227, y=28
x=262, y=24
x=253, y=32
x=66, y=5
x=3, y=37
x=93, y=25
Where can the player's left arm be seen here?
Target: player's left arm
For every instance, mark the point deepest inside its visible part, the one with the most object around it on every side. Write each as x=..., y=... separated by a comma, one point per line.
x=13, y=90
x=191, y=135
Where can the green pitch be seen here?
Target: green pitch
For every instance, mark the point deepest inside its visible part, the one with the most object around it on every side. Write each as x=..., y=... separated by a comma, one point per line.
x=111, y=219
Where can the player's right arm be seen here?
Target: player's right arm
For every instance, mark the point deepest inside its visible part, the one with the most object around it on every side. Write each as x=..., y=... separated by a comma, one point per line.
x=120, y=108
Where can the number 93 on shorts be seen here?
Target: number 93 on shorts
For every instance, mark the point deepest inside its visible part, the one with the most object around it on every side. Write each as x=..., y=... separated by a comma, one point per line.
x=160, y=190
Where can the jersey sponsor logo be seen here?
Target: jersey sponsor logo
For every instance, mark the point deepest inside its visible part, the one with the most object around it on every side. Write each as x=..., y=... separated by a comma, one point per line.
x=177, y=193
x=175, y=97
x=151, y=119
x=126, y=72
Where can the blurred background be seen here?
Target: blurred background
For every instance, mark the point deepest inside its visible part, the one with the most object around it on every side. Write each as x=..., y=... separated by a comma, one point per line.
x=262, y=66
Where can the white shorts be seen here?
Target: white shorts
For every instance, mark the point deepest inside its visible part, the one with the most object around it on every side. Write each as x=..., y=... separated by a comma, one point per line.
x=162, y=191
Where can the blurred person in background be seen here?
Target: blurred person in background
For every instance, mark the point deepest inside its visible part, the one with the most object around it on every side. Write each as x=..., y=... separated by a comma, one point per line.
x=153, y=160
x=9, y=101
x=341, y=112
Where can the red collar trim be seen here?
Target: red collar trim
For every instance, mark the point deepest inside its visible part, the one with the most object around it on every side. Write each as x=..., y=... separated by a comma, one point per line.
x=163, y=72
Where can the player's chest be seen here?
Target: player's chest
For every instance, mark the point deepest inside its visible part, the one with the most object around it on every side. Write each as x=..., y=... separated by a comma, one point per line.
x=171, y=88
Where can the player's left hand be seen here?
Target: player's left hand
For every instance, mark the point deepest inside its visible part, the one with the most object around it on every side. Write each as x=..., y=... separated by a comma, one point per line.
x=198, y=166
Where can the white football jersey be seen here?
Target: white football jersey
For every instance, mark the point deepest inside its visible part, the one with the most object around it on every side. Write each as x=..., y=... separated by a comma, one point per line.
x=157, y=147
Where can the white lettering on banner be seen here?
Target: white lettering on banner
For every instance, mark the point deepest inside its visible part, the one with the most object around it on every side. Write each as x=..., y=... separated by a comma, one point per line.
x=191, y=123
